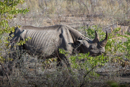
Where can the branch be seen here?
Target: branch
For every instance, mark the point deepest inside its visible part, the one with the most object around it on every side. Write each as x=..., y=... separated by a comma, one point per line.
x=81, y=85
x=5, y=73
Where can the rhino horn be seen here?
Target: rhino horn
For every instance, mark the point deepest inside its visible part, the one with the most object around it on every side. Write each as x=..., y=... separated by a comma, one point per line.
x=104, y=42
x=96, y=39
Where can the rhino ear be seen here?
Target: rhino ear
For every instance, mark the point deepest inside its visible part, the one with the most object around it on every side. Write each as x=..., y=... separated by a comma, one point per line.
x=96, y=39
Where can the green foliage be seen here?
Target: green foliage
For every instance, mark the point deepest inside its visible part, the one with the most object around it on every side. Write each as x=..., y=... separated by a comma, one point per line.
x=8, y=11
x=113, y=84
x=62, y=51
x=114, y=47
x=2, y=59
x=127, y=44
x=84, y=61
x=23, y=41
x=91, y=32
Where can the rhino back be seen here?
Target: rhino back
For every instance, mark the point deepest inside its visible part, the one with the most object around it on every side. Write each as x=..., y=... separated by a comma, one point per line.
x=40, y=28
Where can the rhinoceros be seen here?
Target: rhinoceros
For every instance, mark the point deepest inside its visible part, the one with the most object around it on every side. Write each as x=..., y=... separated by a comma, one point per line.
x=45, y=42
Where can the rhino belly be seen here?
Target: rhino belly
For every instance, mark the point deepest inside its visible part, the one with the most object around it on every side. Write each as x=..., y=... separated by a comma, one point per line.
x=42, y=43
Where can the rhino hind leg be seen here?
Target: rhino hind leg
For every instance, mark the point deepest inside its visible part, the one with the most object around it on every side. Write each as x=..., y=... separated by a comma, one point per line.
x=63, y=58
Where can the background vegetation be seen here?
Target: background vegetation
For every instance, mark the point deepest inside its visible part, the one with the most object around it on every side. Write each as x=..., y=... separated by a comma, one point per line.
x=84, y=15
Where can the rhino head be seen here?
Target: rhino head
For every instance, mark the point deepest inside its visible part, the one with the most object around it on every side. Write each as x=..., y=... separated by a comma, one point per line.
x=94, y=47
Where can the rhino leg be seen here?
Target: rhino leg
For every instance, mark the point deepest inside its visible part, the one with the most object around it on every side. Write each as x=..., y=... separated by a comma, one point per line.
x=64, y=58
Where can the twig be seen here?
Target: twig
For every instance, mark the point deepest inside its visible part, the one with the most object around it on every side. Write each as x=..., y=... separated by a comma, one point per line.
x=5, y=73
x=81, y=85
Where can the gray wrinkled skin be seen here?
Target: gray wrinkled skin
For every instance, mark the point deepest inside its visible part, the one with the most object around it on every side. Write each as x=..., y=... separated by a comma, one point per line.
x=46, y=41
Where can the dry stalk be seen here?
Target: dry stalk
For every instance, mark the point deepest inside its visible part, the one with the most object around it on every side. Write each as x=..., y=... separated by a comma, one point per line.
x=82, y=84
x=5, y=74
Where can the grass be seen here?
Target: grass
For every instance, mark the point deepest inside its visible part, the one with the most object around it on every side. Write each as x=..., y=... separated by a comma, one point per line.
x=51, y=12
x=116, y=10
x=108, y=12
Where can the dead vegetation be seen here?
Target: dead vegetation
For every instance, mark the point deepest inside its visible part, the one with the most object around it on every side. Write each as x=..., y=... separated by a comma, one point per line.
x=50, y=12
x=108, y=14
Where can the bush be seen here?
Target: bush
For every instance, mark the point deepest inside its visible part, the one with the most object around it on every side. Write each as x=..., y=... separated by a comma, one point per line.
x=8, y=11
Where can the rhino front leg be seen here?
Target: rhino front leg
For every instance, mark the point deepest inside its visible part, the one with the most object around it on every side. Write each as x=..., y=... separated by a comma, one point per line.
x=64, y=58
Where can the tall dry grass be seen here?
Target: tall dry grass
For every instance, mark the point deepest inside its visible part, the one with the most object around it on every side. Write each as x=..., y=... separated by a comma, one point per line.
x=104, y=12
